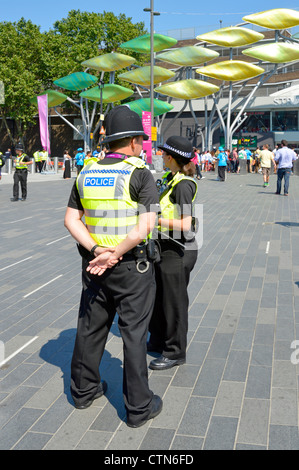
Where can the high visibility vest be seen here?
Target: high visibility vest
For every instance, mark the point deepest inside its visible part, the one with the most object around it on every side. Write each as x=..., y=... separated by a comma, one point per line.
x=37, y=156
x=89, y=160
x=104, y=190
x=44, y=155
x=168, y=209
x=1, y=159
x=19, y=162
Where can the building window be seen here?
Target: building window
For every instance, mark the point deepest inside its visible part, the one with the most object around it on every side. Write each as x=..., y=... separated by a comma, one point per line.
x=256, y=122
x=285, y=121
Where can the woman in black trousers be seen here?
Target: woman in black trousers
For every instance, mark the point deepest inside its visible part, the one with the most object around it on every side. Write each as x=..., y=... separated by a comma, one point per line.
x=169, y=323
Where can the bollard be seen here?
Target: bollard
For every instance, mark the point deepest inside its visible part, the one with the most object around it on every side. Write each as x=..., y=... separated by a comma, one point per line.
x=32, y=167
x=8, y=166
x=55, y=164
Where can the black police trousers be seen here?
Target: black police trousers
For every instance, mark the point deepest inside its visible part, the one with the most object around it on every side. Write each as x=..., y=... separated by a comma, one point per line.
x=169, y=323
x=130, y=294
x=20, y=176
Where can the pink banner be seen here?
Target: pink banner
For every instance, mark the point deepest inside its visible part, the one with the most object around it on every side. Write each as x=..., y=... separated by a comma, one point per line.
x=147, y=126
x=42, y=102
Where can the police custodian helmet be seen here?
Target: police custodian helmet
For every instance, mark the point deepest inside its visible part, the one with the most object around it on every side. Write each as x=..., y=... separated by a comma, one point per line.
x=122, y=122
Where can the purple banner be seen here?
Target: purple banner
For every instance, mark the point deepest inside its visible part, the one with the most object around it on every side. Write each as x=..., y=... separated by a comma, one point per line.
x=42, y=102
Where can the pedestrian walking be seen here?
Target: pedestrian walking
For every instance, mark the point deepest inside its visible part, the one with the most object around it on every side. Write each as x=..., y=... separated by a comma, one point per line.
x=266, y=157
x=285, y=157
x=222, y=162
x=169, y=323
x=79, y=158
x=20, y=176
x=119, y=199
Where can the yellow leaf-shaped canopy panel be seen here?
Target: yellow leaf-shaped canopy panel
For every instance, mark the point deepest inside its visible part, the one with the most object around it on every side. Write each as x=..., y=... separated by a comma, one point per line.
x=142, y=75
x=109, y=62
x=277, y=52
x=110, y=93
x=187, y=89
x=143, y=43
x=188, y=56
x=231, y=70
x=278, y=18
x=231, y=37
x=55, y=98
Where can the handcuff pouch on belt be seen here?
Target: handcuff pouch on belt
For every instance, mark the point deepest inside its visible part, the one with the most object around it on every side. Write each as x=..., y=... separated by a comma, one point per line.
x=144, y=253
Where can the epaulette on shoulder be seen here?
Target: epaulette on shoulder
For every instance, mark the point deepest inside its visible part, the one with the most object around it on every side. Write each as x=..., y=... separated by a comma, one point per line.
x=136, y=161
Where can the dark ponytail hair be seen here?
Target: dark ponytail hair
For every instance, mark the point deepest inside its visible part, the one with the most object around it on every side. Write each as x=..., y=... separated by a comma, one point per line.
x=186, y=166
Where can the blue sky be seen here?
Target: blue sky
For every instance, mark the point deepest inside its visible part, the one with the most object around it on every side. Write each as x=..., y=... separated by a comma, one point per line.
x=175, y=14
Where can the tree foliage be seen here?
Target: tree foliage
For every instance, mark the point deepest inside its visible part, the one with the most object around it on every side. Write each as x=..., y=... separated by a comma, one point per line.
x=31, y=60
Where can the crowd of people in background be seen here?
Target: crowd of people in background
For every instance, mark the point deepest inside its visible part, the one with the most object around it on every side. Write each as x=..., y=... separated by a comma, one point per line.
x=207, y=161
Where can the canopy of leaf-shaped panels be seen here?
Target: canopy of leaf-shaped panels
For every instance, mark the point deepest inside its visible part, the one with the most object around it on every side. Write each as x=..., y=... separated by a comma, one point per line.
x=190, y=56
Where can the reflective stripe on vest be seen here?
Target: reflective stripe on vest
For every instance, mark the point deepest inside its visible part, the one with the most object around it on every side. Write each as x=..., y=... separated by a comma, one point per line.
x=168, y=209
x=19, y=163
x=104, y=190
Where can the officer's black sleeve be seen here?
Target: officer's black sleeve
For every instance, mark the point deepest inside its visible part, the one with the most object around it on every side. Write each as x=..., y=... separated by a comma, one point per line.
x=74, y=199
x=144, y=191
x=182, y=195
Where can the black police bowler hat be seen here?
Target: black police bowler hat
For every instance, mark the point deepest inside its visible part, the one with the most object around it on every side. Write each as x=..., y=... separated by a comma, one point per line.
x=178, y=146
x=121, y=122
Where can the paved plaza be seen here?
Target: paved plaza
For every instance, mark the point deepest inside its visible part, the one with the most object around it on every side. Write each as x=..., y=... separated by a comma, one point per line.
x=239, y=386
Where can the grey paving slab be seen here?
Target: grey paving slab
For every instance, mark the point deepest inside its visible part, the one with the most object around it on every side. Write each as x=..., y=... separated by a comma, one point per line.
x=238, y=388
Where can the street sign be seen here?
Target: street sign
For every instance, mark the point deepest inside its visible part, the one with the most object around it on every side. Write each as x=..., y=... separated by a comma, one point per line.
x=154, y=134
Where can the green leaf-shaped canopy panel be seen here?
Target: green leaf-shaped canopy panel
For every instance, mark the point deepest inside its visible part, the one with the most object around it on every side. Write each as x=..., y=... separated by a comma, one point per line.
x=55, y=98
x=231, y=70
x=143, y=43
x=188, y=56
x=109, y=62
x=144, y=104
x=142, y=75
x=76, y=81
x=187, y=89
x=111, y=93
x=279, y=18
x=277, y=52
x=231, y=37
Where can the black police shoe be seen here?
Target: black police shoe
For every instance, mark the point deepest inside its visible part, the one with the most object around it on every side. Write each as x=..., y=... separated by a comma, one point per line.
x=23, y=199
x=157, y=405
x=162, y=363
x=102, y=388
x=14, y=199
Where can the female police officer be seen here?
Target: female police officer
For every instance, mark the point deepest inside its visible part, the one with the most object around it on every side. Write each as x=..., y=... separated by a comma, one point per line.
x=169, y=324
x=117, y=196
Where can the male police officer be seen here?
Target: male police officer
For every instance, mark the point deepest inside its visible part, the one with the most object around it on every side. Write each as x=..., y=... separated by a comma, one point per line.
x=20, y=176
x=119, y=199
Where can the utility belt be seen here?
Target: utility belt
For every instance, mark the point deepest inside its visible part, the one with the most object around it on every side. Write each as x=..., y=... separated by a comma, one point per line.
x=142, y=254
x=145, y=253
x=21, y=169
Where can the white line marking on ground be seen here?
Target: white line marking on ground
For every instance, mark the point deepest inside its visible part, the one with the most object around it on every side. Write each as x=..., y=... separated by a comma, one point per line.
x=6, y=267
x=19, y=220
x=58, y=240
x=17, y=352
x=267, y=247
x=44, y=285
